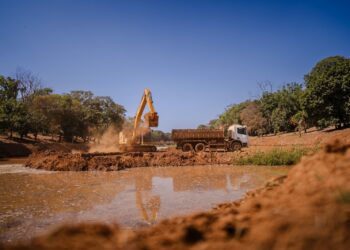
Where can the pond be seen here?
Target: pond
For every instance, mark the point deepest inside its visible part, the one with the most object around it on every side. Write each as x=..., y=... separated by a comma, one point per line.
x=34, y=201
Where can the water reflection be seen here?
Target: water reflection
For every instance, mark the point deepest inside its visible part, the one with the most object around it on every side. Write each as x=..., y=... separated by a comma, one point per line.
x=32, y=202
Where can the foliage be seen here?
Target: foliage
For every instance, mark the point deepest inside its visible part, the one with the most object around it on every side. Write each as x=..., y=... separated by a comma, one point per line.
x=327, y=95
x=324, y=100
x=9, y=107
x=273, y=112
x=252, y=117
x=230, y=116
x=78, y=114
x=202, y=126
x=275, y=157
x=279, y=107
x=157, y=136
x=26, y=107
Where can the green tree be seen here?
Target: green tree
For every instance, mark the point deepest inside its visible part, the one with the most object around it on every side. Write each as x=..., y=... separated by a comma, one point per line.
x=77, y=114
x=327, y=96
x=99, y=112
x=202, y=126
x=279, y=120
x=279, y=107
x=10, y=108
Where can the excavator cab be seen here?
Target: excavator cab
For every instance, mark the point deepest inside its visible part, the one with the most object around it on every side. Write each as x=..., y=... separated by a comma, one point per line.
x=151, y=119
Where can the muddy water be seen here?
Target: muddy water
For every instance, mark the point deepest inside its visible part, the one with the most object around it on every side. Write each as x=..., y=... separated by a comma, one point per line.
x=34, y=201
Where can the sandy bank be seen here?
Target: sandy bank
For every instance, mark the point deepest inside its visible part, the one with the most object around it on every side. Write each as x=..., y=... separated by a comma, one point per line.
x=59, y=161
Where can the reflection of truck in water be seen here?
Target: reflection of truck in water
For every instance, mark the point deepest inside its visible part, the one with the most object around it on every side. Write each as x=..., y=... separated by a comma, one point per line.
x=233, y=139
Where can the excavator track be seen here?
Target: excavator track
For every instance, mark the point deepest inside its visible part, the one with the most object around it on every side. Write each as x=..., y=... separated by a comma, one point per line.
x=138, y=148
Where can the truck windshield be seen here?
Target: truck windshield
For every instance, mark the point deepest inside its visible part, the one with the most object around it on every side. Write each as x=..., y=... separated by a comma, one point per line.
x=242, y=131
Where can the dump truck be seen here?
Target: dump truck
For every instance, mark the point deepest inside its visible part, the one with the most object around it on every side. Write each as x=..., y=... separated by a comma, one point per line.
x=232, y=139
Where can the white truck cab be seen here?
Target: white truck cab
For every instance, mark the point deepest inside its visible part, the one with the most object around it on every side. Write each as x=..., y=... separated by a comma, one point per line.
x=239, y=132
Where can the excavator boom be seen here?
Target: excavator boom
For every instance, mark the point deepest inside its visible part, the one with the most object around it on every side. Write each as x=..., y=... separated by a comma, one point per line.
x=151, y=118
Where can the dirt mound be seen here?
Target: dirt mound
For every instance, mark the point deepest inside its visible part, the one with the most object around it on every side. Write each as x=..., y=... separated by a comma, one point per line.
x=309, y=209
x=59, y=161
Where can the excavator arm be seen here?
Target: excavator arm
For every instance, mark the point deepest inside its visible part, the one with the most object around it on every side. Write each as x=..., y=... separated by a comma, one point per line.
x=151, y=118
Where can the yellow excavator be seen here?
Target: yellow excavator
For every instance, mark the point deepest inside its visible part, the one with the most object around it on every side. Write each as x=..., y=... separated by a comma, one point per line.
x=151, y=119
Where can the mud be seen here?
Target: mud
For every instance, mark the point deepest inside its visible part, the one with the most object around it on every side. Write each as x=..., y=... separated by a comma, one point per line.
x=308, y=209
x=58, y=161
x=34, y=201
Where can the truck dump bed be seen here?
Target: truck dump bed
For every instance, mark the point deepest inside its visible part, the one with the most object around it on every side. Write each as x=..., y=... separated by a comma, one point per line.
x=183, y=134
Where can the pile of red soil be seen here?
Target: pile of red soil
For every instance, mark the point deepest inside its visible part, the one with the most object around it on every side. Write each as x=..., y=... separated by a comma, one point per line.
x=59, y=161
x=308, y=209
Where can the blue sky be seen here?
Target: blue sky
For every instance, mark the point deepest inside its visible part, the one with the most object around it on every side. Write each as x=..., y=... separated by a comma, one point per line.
x=197, y=57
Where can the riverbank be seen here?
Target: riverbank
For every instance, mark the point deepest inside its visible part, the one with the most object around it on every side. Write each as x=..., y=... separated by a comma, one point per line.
x=284, y=149
x=314, y=138
x=56, y=161
x=308, y=209
x=17, y=147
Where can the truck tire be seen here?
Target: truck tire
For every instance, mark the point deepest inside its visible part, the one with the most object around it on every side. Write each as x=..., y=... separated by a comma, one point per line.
x=199, y=147
x=187, y=147
x=235, y=146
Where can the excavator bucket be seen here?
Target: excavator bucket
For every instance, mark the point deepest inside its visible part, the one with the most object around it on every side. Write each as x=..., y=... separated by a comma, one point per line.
x=152, y=119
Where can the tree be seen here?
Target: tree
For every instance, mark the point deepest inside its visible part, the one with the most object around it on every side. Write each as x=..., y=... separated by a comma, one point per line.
x=268, y=103
x=279, y=120
x=327, y=96
x=157, y=136
x=230, y=116
x=29, y=84
x=9, y=106
x=77, y=114
x=99, y=112
x=252, y=117
x=202, y=126
x=279, y=107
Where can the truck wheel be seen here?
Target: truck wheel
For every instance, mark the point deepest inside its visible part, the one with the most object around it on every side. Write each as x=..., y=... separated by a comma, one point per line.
x=199, y=147
x=235, y=146
x=187, y=147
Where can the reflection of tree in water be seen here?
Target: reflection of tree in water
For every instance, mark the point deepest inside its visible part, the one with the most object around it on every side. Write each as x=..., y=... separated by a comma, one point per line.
x=147, y=203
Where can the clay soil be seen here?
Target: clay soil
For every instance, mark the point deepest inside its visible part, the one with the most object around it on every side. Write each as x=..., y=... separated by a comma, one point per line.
x=311, y=139
x=60, y=161
x=308, y=209
x=63, y=160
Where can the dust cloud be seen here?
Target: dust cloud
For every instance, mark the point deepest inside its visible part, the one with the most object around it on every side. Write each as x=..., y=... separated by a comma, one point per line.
x=108, y=142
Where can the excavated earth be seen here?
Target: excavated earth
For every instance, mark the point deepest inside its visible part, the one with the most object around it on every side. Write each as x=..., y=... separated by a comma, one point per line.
x=308, y=209
x=60, y=161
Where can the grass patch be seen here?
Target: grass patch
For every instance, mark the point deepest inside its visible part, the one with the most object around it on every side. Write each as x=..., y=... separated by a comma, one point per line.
x=275, y=157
